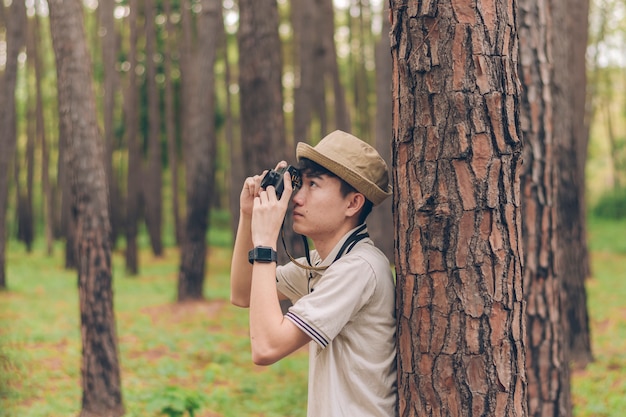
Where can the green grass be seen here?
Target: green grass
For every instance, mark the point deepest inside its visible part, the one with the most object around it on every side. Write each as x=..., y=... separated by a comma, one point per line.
x=169, y=353
x=199, y=352
x=600, y=389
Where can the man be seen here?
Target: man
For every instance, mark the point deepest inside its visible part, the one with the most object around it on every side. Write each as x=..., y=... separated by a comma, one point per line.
x=342, y=294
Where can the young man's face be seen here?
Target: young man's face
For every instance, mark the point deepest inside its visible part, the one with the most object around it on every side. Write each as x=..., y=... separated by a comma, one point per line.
x=319, y=206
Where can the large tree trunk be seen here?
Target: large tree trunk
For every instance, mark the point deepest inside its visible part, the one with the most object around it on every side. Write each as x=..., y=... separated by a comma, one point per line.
x=199, y=89
x=457, y=156
x=571, y=133
x=15, y=41
x=102, y=396
x=546, y=364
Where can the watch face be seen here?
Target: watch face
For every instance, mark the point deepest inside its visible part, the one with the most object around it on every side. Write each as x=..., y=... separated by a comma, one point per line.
x=264, y=254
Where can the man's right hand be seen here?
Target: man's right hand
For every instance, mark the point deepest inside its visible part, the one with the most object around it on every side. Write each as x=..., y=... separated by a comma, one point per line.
x=252, y=188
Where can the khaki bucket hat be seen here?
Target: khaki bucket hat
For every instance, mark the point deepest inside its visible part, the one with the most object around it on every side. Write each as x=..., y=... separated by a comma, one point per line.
x=352, y=160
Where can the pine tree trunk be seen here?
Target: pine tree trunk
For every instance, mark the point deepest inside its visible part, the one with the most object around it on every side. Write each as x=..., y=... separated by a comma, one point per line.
x=457, y=156
x=304, y=14
x=133, y=187
x=48, y=200
x=380, y=221
x=102, y=396
x=109, y=38
x=170, y=119
x=199, y=89
x=570, y=29
x=263, y=138
x=546, y=365
x=153, y=207
x=15, y=41
x=327, y=23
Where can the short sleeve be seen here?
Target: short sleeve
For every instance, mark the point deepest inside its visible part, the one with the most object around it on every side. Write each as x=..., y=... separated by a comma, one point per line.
x=291, y=281
x=346, y=286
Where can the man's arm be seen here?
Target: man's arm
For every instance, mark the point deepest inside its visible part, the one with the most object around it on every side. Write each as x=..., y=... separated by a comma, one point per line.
x=272, y=336
x=240, y=268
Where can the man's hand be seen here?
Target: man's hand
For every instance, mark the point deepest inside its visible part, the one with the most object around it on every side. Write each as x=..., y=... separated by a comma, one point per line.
x=269, y=212
x=251, y=189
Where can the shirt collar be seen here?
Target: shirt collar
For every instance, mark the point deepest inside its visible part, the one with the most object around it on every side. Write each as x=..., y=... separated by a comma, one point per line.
x=335, y=251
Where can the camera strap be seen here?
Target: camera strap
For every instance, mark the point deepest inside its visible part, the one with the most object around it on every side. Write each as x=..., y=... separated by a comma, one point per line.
x=347, y=246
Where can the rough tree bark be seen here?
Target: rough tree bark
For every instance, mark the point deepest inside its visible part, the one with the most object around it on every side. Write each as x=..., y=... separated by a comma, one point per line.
x=102, y=396
x=546, y=366
x=457, y=156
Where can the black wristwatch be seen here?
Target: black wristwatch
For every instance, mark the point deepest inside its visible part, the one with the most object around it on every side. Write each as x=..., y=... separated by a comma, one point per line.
x=263, y=254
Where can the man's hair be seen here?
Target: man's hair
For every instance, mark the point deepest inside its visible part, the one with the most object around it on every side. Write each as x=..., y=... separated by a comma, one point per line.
x=311, y=168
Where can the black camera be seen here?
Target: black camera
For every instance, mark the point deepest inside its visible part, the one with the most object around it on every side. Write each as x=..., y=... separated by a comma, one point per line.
x=275, y=178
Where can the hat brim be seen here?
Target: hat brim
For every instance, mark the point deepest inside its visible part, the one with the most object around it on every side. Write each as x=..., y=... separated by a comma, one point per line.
x=370, y=190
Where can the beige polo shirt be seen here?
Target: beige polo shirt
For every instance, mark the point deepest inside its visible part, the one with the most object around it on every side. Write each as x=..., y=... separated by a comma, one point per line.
x=348, y=310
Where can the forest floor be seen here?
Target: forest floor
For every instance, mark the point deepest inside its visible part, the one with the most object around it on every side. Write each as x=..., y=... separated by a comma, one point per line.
x=177, y=355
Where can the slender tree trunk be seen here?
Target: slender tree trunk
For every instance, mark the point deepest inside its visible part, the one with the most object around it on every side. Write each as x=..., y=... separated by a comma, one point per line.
x=381, y=220
x=48, y=200
x=26, y=223
x=31, y=131
x=68, y=223
x=133, y=188
x=109, y=38
x=457, y=158
x=153, y=207
x=15, y=41
x=102, y=396
x=237, y=172
x=570, y=28
x=170, y=119
x=201, y=150
x=546, y=365
x=342, y=114
x=304, y=14
x=263, y=135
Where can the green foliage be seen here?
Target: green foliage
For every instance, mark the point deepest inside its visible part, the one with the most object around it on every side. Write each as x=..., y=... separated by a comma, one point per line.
x=611, y=204
x=174, y=401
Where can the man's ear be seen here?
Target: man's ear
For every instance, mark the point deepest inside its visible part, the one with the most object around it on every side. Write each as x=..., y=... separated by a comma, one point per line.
x=355, y=203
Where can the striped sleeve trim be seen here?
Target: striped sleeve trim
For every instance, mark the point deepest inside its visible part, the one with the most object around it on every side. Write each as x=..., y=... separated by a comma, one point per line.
x=306, y=328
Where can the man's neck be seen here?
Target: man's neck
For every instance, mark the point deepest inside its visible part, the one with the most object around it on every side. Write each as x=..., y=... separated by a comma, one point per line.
x=325, y=245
